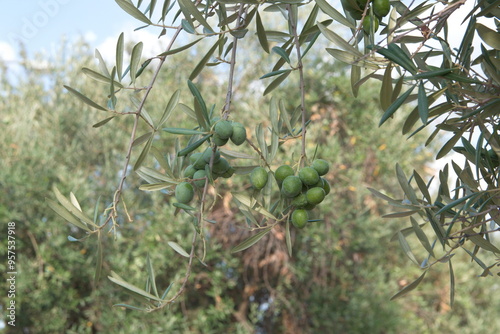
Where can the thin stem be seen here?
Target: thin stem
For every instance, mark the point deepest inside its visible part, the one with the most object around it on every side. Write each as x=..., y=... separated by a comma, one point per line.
x=232, y=65
x=302, y=84
x=119, y=190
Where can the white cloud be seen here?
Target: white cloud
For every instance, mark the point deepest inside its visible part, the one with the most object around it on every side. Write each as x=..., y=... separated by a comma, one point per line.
x=7, y=52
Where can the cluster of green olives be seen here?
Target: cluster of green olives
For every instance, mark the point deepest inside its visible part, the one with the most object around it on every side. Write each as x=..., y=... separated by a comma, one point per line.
x=199, y=168
x=303, y=191
x=356, y=8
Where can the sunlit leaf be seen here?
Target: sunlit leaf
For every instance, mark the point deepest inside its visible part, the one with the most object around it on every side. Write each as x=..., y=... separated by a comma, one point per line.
x=132, y=288
x=144, y=153
x=135, y=59
x=488, y=35
x=133, y=11
x=178, y=248
x=334, y=14
x=188, y=8
x=119, y=56
x=406, y=248
x=252, y=240
x=65, y=214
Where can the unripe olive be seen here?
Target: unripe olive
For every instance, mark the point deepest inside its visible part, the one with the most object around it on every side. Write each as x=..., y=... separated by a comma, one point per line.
x=309, y=176
x=239, y=134
x=258, y=178
x=300, y=218
x=224, y=129
x=200, y=174
x=291, y=186
x=184, y=192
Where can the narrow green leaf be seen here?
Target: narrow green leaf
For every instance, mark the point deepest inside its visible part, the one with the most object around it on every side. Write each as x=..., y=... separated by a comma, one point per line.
x=133, y=11
x=406, y=248
x=104, y=121
x=71, y=208
x=176, y=247
x=483, y=243
x=144, y=153
x=449, y=145
x=284, y=116
x=422, y=237
x=187, y=26
x=193, y=146
x=489, y=36
x=102, y=63
x=252, y=203
x=334, y=14
x=65, y=214
x=422, y=186
x=386, y=88
x=276, y=82
x=188, y=8
x=184, y=206
x=131, y=307
x=151, y=275
x=252, y=240
x=394, y=53
x=155, y=186
x=355, y=78
x=431, y=74
x=172, y=103
x=203, y=62
x=288, y=238
x=119, y=56
x=179, y=131
x=166, y=291
x=282, y=53
x=395, y=105
x=271, y=74
x=339, y=41
x=400, y=214
x=132, y=288
x=403, y=182
x=380, y=195
x=84, y=99
x=182, y=48
x=261, y=33
x=409, y=287
x=235, y=155
x=202, y=118
x=135, y=59
x=423, y=103
x=352, y=59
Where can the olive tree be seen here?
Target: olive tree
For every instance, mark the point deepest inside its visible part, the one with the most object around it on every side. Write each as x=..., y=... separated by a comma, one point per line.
x=395, y=43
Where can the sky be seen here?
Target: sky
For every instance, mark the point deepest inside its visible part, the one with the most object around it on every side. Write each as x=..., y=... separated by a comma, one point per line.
x=42, y=24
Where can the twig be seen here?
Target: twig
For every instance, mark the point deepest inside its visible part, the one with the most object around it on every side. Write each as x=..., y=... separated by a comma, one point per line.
x=116, y=199
x=232, y=65
x=302, y=84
